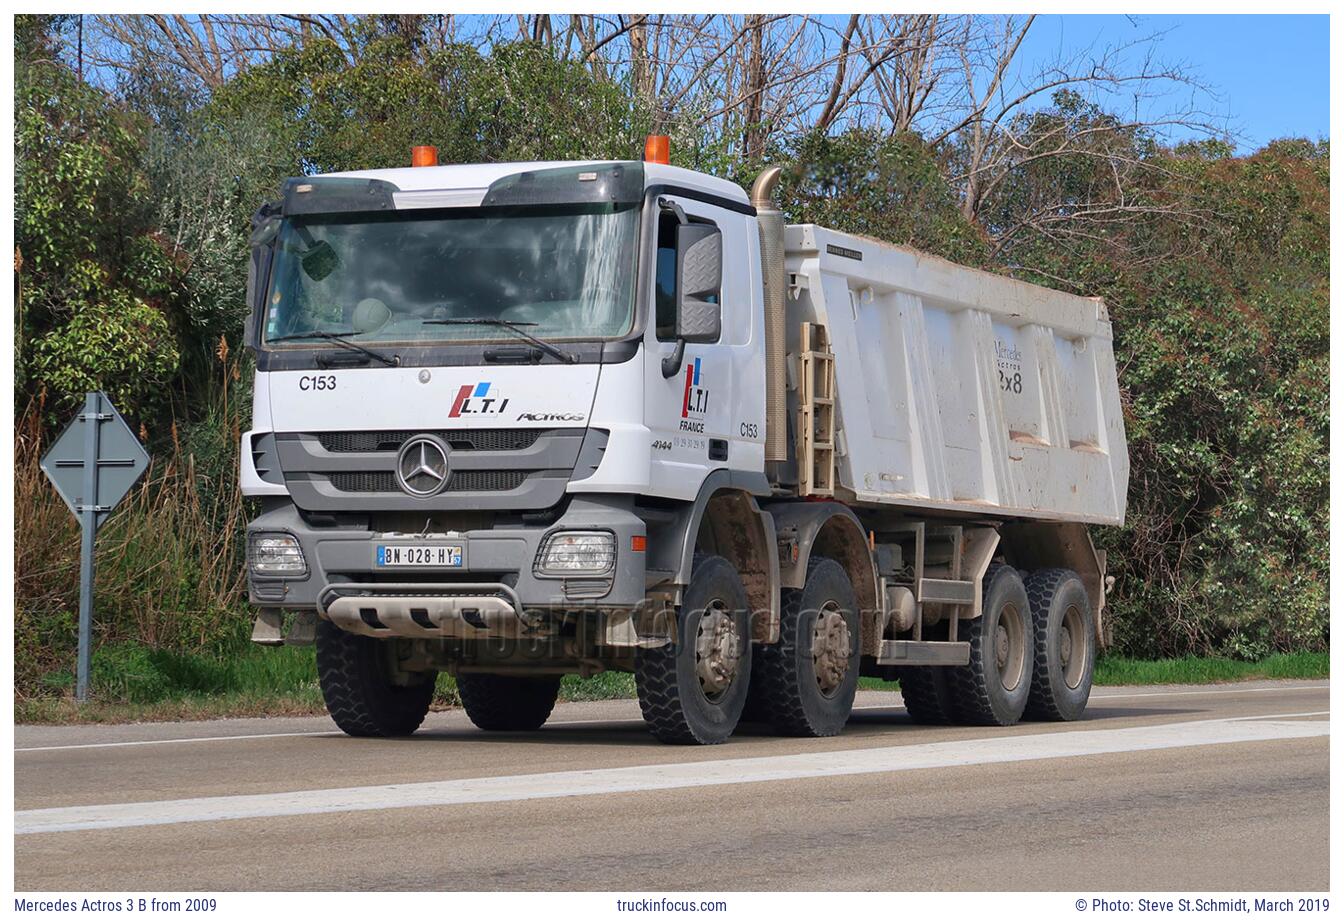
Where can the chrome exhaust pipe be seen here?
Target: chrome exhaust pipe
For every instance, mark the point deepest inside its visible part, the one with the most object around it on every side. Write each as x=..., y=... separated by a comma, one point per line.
x=771, y=221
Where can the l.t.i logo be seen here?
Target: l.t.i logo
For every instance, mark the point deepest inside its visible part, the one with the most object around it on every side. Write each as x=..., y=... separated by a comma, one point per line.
x=696, y=397
x=475, y=399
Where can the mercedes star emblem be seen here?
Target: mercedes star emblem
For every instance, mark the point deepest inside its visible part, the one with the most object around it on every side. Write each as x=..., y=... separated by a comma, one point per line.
x=422, y=466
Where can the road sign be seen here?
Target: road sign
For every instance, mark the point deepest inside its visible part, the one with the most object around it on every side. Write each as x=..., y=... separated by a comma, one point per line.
x=93, y=464
x=97, y=441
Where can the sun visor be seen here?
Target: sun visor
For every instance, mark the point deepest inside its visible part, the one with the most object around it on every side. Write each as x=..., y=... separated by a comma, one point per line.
x=601, y=183
x=337, y=195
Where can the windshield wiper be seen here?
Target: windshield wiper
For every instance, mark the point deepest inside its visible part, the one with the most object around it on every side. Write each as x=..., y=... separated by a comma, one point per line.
x=340, y=339
x=515, y=328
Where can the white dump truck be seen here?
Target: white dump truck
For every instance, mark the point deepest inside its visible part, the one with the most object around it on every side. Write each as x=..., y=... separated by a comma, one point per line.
x=519, y=420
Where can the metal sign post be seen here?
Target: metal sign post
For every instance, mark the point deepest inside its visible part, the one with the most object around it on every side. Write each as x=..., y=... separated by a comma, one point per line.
x=93, y=464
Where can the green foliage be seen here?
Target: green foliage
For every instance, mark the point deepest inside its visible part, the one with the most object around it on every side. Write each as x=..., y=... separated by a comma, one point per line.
x=1061, y=200
x=117, y=343
x=131, y=673
x=212, y=173
x=128, y=672
x=608, y=685
x=1114, y=669
x=518, y=103
x=1222, y=337
x=891, y=188
x=96, y=283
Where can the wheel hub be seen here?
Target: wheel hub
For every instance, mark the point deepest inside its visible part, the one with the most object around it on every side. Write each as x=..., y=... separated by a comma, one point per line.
x=717, y=651
x=1001, y=646
x=1074, y=653
x=830, y=648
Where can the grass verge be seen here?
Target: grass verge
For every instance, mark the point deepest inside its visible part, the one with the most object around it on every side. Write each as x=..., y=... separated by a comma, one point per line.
x=134, y=684
x=1112, y=669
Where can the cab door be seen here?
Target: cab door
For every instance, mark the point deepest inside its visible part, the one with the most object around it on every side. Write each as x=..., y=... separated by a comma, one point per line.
x=694, y=406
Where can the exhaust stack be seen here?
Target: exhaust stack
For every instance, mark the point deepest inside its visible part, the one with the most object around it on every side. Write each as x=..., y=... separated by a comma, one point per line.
x=771, y=221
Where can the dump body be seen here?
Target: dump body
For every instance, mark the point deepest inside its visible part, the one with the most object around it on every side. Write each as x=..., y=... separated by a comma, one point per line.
x=960, y=390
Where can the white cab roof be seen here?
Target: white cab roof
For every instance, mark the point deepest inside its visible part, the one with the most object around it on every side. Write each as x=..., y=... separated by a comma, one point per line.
x=472, y=178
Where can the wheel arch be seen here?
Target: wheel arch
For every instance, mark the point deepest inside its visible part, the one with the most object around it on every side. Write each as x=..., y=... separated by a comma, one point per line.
x=724, y=519
x=833, y=530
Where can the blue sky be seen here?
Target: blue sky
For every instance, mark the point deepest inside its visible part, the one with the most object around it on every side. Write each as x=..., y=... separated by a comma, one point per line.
x=1271, y=73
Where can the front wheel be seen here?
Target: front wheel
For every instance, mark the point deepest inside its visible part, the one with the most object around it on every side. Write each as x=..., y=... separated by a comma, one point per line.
x=505, y=703
x=693, y=690
x=366, y=695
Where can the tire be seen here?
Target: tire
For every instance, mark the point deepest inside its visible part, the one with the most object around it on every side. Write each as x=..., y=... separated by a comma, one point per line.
x=679, y=705
x=1065, y=646
x=792, y=694
x=993, y=688
x=505, y=703
x=926, y=695
x=355, y=673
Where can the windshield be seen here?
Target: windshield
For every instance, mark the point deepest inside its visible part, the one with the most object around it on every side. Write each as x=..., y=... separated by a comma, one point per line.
x=560, y=274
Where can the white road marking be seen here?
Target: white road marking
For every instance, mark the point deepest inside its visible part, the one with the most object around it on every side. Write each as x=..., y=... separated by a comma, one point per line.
x=1280, y=715
x=1008, y=749
x=115, y=744
x=608, y=721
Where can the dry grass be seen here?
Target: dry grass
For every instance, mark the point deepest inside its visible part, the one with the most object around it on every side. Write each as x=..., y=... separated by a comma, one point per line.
x=169, y=571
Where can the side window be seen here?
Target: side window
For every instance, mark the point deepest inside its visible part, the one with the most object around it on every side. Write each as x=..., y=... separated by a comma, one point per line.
x=665, y=283
x=665, y=279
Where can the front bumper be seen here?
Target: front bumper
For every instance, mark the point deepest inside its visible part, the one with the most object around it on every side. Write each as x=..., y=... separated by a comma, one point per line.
x=496, y=563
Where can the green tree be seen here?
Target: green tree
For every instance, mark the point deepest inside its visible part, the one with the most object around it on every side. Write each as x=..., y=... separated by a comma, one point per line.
x=889, y=187
x=1222, y=339
x=518, y=103
x=97, y=282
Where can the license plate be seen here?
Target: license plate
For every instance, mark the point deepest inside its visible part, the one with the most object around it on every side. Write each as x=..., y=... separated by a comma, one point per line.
x=419, y=556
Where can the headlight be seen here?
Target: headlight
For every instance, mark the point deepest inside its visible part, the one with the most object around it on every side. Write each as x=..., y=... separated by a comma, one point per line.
x=275, y=554
x=577, y=552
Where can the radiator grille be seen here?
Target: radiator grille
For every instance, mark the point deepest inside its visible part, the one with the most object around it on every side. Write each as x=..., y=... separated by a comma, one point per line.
x=345, y=442
x=464, y=481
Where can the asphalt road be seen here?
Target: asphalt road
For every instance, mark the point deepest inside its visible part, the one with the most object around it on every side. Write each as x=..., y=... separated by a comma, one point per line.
x=1161, y=788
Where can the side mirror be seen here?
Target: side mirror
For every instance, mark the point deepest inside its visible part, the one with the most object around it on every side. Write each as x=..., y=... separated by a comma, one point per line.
x=699, y=277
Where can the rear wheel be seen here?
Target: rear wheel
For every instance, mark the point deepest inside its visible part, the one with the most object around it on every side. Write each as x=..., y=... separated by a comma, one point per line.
x=365, y=692
x=505, y=703
x=693, y=690
x=804, y=684
x=1065, y=641
x=992, y=689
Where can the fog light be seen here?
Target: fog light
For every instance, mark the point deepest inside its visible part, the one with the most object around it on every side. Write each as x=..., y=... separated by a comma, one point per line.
x=275, y=554
x=577, y=552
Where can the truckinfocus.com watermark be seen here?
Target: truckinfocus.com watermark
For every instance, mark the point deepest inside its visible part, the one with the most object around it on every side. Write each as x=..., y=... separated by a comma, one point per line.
x=661, y=905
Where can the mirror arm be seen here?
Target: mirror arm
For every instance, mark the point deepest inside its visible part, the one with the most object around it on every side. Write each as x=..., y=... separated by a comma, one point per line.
x=668, y=204
x=672, y=362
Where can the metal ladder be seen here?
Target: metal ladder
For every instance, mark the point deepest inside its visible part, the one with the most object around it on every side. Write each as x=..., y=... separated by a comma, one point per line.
x=816, y=412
